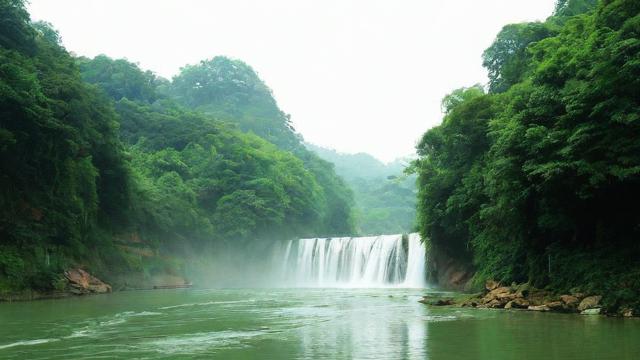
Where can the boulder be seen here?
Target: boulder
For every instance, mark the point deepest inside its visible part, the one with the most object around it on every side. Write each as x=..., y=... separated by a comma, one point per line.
x=503, y=292
x=495, y=304
x=491, y=285
x=509, y=305
x=522, y=291
x=590, y=302
x=591, y=311
x=81, y=282
x=519, y=303
x=539, y=308
x=555, y=305
x=627, y=312
x=570, y=301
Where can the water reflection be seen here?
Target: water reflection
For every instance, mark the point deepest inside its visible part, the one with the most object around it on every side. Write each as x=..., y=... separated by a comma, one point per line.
x=301, y=324
x=369, y=330
x=503, y=335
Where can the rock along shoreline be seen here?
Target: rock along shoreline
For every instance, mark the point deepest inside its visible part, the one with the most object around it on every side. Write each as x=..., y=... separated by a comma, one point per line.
x=77, y=281
x=528, y=298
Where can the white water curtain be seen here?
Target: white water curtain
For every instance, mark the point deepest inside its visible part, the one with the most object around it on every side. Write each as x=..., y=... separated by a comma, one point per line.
x=373, y=261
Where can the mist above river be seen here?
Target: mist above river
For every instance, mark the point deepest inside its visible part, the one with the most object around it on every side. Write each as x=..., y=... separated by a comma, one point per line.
x=349, y=262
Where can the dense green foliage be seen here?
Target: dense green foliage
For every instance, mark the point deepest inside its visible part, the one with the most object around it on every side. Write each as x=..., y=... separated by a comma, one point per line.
x=231, y=91
x=385, y=198
x=220, y=184
x=104, y=165
x=538, y=180
x=64, y=180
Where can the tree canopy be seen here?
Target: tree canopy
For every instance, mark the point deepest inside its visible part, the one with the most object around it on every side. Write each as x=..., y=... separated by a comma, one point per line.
x=99, y=157
x=543, y=172
x=385, y=198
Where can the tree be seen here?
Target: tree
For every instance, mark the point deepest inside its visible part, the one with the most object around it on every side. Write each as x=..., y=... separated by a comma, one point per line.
x=507, y=59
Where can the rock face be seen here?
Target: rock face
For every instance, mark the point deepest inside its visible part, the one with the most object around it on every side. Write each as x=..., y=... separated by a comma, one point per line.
x=556, y=305
x=81, y=282
x=590, y=302
x=570, y=300
x=447, y=272
x=491, y=285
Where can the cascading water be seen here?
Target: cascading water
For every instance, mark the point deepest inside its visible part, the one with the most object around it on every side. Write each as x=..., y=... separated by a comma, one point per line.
x=416, y=263
x=374, y=261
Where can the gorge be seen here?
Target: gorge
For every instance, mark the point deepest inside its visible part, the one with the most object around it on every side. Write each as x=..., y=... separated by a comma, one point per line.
x=211, y=228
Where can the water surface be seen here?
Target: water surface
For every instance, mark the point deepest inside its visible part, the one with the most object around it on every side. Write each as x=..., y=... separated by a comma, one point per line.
x=299, y=324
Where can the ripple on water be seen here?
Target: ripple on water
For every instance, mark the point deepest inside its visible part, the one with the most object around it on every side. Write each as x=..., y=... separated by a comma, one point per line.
x=200, y=342
x=27, y=343
x=207, y=304
x=117, y=319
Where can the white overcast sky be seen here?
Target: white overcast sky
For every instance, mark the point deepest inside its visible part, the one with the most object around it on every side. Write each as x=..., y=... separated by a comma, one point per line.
x=356, y=75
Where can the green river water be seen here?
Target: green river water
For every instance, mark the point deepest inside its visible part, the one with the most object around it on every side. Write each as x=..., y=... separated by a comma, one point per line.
x=299, y=324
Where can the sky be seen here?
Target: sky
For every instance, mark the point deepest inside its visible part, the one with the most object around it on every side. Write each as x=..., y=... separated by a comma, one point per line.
x=355, y=75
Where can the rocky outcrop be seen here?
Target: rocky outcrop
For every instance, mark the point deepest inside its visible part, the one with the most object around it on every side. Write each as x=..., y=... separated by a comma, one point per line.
x=517, y=303
x=590, y=302
x=81, y=282
x=570, y=301
x=491, y=285
x=526, y=297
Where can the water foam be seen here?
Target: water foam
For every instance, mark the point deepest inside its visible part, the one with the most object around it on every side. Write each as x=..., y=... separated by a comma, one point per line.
x=27, y=343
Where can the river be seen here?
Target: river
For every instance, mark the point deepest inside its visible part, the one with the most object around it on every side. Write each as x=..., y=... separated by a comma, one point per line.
x=386, y=323
x=340, y=298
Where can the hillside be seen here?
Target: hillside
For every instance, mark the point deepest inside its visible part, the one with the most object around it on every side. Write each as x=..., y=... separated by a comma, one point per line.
x=384, y=195
x=108, y=167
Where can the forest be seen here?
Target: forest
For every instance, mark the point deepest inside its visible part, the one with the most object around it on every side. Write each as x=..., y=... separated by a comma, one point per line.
x=158, y=200
x=532, y=178
x=536, y=178
x=111, y=167
x=384, y=197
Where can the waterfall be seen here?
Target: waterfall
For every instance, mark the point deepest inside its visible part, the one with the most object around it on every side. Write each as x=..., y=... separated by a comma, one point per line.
x=372, y=261
x=415, y=263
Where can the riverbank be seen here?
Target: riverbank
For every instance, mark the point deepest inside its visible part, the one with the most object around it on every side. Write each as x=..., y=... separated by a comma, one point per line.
x=74, y=282
x=528, y=298
x=78, y=282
